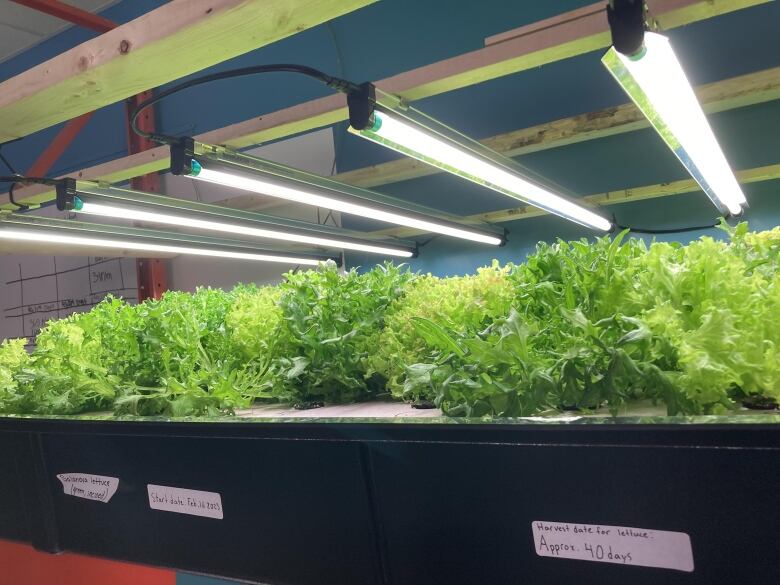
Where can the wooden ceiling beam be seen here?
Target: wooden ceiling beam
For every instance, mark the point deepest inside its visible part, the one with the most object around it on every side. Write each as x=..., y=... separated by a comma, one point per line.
x=165, y=44
x=561, y=37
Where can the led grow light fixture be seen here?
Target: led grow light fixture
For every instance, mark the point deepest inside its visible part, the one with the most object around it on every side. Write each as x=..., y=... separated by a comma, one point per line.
x=390, y=123
x=95, y=199
x=74, y=233
x=645, y=66
x=223, y=166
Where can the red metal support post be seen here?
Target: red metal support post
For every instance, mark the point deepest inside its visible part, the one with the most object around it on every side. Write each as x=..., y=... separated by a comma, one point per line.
x=152, y=273
x=70, y=13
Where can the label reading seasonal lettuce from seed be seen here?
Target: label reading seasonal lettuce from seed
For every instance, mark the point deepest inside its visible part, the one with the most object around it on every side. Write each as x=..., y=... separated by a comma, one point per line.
x=99, y=488
x=613, y=544
x=184, y=501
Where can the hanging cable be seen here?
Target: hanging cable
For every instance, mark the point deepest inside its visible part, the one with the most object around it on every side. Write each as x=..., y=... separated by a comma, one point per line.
x=336, y=83
x=426, y=242
x=12, y=200
x=659, y=231
x=13, y=172
x=17, y=179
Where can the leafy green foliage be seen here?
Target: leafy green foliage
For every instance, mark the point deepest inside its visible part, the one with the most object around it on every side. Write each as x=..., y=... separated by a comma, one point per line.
x=67, y=374
x=463, y=304
x=13, y=358
x=579, y=325
x=718, y=304
x=562, y=344
x=253, y=321
x=187, y=362
x=332, y=325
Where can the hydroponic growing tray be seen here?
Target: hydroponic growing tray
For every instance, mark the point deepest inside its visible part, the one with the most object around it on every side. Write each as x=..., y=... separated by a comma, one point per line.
x=404, y=500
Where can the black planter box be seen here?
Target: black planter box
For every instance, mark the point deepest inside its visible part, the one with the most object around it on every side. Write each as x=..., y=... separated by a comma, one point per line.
x=427, y=501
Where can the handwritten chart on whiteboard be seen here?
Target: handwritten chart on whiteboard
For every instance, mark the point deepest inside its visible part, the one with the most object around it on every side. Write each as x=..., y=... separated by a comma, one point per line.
x=35, y=289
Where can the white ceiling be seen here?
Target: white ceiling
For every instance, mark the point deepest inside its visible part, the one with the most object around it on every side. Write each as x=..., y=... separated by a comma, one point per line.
x=22, y=28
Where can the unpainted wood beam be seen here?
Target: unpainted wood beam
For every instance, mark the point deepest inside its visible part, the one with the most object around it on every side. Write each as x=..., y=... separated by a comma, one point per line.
x=172, y=41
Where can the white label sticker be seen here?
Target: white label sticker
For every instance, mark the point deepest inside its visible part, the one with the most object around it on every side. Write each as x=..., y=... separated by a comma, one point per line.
x=183, y=501
x=613, y=544
x=90, y=487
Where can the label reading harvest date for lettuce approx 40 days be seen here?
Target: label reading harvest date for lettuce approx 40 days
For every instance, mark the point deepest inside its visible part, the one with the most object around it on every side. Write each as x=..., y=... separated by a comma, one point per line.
x=613, y=544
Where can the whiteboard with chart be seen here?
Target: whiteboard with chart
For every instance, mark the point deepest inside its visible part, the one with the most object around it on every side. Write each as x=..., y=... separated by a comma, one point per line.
x=35, y=289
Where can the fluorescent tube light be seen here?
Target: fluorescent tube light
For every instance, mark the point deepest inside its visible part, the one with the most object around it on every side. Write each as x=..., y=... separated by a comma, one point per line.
x=309, y=197
x=412, y=133
x=222, y=166
x=403, y=137
x=95, y=199
x=188, y=222
x=75, y=233
x=655, y=81
x=53, y=238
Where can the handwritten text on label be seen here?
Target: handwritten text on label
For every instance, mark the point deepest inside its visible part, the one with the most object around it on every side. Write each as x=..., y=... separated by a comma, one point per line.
x=613, y=544
x=90, y=487
x=183, y=501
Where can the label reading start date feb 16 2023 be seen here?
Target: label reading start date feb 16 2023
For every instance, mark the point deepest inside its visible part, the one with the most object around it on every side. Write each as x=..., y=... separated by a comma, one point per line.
x=185, y=501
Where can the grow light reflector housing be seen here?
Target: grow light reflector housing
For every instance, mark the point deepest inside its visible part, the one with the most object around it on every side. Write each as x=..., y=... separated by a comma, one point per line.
x=36, y=230
x=655, y=81
x=93, y=198
x=386, y=120
x=224, y=166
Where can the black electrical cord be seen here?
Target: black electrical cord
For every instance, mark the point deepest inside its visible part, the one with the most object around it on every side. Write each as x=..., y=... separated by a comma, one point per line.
x=17, y=179
x=651, y=231
x=341, y=85
x=426, y=242
x=13, y=201
x=11, y=168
